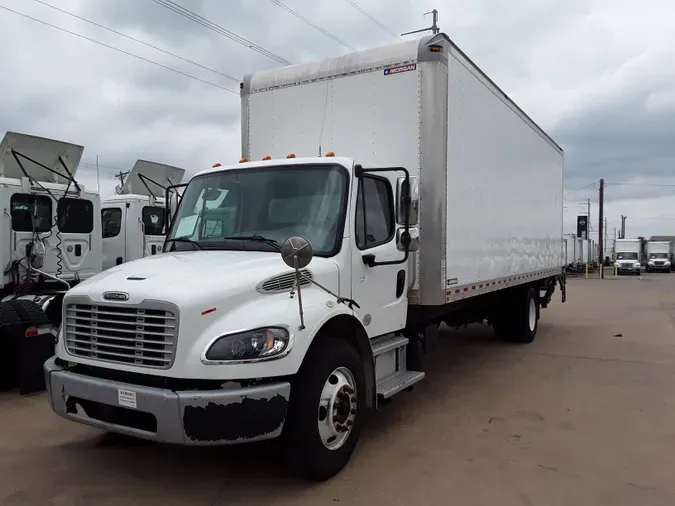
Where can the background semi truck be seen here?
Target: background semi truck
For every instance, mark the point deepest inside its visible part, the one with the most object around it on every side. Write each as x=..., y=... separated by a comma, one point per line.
x=134, y=220
x=50, y=232
x=306, y=284
x=628, y=256
x=659, y=256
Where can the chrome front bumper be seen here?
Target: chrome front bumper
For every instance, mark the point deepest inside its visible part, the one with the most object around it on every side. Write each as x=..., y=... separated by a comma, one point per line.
x=214, y=417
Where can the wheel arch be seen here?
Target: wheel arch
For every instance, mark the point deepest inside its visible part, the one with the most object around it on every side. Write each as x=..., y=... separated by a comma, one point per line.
x=349, y=328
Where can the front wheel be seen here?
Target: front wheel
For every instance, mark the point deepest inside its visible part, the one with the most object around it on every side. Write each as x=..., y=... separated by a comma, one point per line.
x=326, y=410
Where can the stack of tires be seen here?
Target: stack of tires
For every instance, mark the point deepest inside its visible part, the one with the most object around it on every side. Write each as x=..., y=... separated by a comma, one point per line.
x=22, y=356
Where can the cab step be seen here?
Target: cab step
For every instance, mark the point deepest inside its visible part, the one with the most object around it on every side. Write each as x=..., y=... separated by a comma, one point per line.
x=382, y=345
x=395, y=383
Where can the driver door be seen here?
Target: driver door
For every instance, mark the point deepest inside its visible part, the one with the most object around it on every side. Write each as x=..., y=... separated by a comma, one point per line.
x=381, y=290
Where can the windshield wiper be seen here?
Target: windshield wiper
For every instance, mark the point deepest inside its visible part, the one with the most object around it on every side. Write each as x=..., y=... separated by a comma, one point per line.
x=256, y=238
x=184, y=239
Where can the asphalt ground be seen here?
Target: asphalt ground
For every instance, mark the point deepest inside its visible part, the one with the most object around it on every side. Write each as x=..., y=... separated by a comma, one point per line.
x=583, y=416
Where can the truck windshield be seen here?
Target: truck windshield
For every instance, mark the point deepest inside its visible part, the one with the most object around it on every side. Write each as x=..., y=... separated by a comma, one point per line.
x=273, y=202
x=658, y=255
x=626, y=256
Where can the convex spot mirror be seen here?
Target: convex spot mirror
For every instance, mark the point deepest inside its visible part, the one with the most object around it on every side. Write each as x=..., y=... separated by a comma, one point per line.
x=413, y=240
x=413, y=216
x=296, y=252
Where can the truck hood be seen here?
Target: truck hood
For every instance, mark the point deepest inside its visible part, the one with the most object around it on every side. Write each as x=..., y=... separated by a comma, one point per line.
x=193, y=278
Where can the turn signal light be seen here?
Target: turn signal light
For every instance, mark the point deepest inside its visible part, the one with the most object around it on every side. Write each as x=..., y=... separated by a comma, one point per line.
x=330, y=153
x=217, y=164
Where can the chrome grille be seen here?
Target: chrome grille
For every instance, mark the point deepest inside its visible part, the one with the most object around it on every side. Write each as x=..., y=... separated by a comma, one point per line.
x=127, y=335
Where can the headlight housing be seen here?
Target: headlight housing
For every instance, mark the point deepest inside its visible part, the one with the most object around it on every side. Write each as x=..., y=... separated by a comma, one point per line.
x=637, y=264
x=250, y=346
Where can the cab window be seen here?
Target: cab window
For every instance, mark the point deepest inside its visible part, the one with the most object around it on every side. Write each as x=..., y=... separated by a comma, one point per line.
x=154, y=219
x=111, y=221
x=374, y=212
x=75, y=216
x=31, y=213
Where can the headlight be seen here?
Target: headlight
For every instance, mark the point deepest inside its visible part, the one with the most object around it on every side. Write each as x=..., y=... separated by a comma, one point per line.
x=259, y=344
x=637, y=264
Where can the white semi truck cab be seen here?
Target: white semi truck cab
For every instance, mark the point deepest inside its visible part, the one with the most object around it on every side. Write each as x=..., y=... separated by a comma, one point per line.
x=50, y=228
x=297, y=288
x=134, y=221
x=659, y=256
x=628, y=256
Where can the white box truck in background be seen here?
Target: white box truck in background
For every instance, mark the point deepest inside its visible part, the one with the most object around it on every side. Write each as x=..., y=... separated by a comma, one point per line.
x=659, y=256
x=234, y=336
x=134, y=220
x=570, y=252
x=50, y=231
x=628, y=256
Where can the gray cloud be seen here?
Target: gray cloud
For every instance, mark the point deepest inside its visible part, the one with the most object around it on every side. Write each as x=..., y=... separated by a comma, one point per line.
x=593, y=74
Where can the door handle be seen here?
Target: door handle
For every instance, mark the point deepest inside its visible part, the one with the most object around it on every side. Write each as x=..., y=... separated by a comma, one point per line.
x=369, y=259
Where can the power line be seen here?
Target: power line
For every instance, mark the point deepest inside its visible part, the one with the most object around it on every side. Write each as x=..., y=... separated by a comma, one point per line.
x=136, y=40
x=373, y=19
x=187, y=13
x=645, y=184
x=579, y=189
x=312, y=24
x=119, y=50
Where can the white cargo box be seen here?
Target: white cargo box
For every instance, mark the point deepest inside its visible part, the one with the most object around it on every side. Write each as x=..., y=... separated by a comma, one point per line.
x=491, y=180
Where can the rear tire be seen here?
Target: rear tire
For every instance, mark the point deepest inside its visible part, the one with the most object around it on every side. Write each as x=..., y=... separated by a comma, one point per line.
x=518, y=320
x=28, y=311
x=326, y=410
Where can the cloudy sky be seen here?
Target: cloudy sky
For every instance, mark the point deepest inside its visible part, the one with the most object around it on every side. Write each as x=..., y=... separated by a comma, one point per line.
x=598, y=75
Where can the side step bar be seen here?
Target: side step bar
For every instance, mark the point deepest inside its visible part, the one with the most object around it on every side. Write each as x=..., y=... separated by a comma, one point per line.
x=400, y=379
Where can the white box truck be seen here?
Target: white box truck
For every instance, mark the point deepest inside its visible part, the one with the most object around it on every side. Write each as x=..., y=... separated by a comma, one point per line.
x=232, y=335
x=134, y=220
x=628, y=256
x=659, y=256
x=50, y=230
x=569, y=249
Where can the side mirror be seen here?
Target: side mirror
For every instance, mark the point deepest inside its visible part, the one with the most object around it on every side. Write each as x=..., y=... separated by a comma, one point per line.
x=413, y=216
x=410, y=243
x=296, y=252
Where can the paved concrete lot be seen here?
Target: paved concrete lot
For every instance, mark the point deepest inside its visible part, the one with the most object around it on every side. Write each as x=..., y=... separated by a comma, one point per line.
x=584, y=416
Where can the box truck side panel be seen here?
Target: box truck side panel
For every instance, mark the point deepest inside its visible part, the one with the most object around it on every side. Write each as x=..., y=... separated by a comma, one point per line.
x=504, y=214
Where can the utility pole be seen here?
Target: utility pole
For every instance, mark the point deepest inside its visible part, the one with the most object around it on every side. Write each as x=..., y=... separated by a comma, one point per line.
x=601, y=225
x=623, y=226
x=434, y=26
x=121, y=175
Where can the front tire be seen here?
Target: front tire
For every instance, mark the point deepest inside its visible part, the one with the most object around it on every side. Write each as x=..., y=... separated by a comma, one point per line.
x=326, y=410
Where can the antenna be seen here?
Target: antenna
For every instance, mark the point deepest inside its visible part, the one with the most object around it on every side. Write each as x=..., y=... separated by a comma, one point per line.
x=434, y=26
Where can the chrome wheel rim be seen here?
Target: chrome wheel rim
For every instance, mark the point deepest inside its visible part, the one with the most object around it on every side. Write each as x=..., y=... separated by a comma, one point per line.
x=532, y=314
x=337, y=408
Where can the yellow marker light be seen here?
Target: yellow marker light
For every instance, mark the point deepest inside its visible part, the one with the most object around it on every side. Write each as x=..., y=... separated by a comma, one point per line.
x=330, y=153
x=217, y=164
x=292, y=155
x=268, y=157
x=243, y=160
x=435, y=49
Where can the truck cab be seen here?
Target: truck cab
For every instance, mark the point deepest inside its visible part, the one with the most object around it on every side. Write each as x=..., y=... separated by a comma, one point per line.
x=659, y=256
x=628, y=256
x=51, y=230
x=134, y=221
